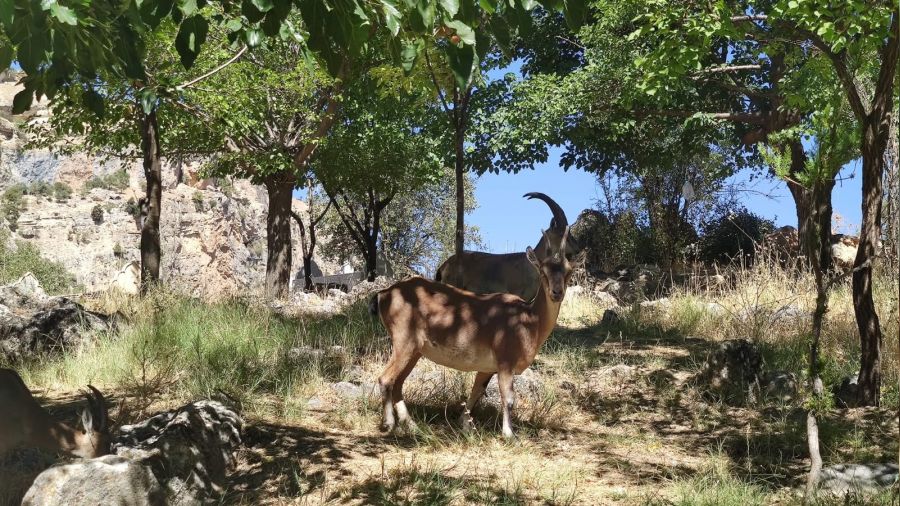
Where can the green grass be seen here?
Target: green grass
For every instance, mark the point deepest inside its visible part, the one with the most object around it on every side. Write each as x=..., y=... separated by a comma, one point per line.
x=717, y=486
x=25, y=257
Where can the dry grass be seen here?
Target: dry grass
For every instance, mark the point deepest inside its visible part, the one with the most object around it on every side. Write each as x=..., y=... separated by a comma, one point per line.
x=587, y=437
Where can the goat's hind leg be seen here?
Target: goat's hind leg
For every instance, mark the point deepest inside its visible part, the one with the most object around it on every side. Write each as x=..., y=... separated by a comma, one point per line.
x=397, y=369
x=403, y=417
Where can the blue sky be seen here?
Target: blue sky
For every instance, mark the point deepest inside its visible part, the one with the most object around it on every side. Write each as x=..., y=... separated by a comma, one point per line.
x=509, y=222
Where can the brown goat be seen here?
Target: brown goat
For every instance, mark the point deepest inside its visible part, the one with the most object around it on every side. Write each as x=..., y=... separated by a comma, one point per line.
x=26, y=423
x=490, y=334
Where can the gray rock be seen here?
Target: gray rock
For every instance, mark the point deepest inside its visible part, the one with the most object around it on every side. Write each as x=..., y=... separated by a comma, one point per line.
x=846, y=395
x=528, y=386
x=854, y=478
x=605, y=298
x=106, y=480
x=780, y=386
x=611, y=317
x=33, y=324
x=189, y=450
x=347, y=390
x=731, y=372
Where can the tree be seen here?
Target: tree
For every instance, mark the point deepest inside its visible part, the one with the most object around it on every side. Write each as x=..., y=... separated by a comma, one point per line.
x=268, y=114
x=379, y=149
x=856, y=37
x=308, y=230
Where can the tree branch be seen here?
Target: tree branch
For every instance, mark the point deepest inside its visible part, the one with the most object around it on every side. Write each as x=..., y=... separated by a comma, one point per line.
x=213, y=71
x=437, y=87
x=844, y=75
x=730, y=68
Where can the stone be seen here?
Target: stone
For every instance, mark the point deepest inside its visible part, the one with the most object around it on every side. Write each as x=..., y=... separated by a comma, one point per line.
x=605, y=298
x=846, y=394
x=337, y=293
x=731, y=372
x=529, y=387
x=662, y=304
x=33, y=324
x=128, y=279
x=189, y=450
x=347, y=390
x=779, y=386
x=110, y=479
x=610, y=317
x=843, y=479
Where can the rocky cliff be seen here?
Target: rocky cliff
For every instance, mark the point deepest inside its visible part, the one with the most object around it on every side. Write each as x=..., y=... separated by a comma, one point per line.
x=213, y=231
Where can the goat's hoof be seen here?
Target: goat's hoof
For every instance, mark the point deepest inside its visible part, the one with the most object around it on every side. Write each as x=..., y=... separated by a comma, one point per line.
x=508, y=435
x=466, y=423
x=386, y=427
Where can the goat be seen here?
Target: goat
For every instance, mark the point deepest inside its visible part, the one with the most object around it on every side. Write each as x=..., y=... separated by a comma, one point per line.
x=26, y=423
x=491, y=334
x=483, y=273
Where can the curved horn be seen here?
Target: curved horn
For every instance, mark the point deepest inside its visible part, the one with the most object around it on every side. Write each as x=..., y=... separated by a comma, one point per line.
x=559, y=216
x=100, y=408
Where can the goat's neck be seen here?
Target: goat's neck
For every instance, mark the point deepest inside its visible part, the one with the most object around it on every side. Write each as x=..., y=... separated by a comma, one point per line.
x=545, y=311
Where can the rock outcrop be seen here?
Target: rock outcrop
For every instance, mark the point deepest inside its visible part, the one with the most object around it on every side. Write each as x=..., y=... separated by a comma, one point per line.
x=180, y=457
x=34, y=324
x=213, y=230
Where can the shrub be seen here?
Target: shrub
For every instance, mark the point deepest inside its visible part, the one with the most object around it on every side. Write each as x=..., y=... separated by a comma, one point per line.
x=733, y=233
x=62, y=191
x=12, y=203
x=97, y=214
x=132, y=208
x=612, y=241
x=40, y=188
x=197, y=198
x=54, y=278
x=113, y=181
x=117, y=250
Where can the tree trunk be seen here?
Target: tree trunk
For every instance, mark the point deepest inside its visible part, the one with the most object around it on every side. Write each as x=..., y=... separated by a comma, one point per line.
x=460, y=167
x=801, y=197
x=278, y=234
x=151, y=251
x=819, y=254
x=869, y=381
x=372, y=243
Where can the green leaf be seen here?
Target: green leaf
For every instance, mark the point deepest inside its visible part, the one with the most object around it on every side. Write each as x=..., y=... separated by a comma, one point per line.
x=461, y=60
x=153, y=11
x=7, y=12
x=263, y=5
x=22, y=101
x=489, y=6
x=253, y=14
x=254, y=37
x=190, y=38
x=425, y=8
x=529, y=4
x=94, y=102
x=391, y=16
x=63, y=14
x=450, y=6
x=7, y=53
x=466, y=34
x=409, y=54
x=576, y=11
x=148, y=100
x=187, y=7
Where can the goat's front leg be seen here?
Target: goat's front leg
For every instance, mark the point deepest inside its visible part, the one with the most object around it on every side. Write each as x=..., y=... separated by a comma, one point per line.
x=481, y=382
x=391, y=384
x=507, y=400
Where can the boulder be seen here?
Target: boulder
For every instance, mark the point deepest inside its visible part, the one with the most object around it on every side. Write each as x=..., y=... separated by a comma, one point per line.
x=110, y=479
x=779, y=386
x=846, y=394
x=528, y=387
x=846, y=479
x=731, y=372
x=128, y=279
x=189, y=450
x=611, y=317
x=34, y=324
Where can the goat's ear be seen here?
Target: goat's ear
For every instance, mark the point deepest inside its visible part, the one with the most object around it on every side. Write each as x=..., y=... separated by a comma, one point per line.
x=529, y=254
x=87, y=421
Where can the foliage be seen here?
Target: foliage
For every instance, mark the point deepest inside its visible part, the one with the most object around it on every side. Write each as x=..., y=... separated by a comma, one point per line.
x=61, y=191
x=734, y=233
x=97, y=214
x=117, y=180
x=12, y=203
x=25, y=257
